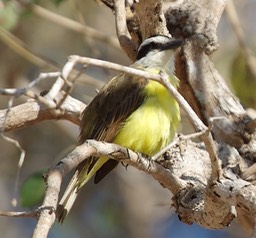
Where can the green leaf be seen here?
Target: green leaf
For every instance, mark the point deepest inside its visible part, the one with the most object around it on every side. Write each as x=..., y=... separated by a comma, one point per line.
x=32, y=190
x=8, y=15
x=243, y=81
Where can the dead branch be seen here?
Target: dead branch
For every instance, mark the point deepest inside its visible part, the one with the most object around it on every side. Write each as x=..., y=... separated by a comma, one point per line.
x=205, y=89
x=122, y=32
x=184, y=172
x=32, y=112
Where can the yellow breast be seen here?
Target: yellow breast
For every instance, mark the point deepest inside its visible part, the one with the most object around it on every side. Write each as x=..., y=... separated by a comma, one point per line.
x=152, y=126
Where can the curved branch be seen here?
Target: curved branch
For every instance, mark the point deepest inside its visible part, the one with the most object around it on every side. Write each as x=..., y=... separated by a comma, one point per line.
x=206, y=90
x=122, y=32
x=184, y=174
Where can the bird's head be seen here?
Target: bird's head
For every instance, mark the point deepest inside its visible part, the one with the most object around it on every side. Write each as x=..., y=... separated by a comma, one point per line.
x=158, y=51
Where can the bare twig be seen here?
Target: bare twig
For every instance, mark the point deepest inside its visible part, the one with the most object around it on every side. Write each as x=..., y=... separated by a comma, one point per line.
x=198, y=124
x=177, y=140
x=70, y=87
x=57, y=86
x=122, y=32
x=17, y=92
x=43, y=76
x=17, y=145
x=32, y=112
x=30, y=214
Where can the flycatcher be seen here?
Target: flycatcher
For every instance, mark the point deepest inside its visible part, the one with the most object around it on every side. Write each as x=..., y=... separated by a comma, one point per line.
x=131, y=111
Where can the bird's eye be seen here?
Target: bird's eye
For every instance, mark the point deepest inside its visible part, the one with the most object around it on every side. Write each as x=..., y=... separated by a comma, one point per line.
x=146, y=48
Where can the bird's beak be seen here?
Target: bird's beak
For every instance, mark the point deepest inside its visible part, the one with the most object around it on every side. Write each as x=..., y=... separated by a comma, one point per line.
x=174, y=44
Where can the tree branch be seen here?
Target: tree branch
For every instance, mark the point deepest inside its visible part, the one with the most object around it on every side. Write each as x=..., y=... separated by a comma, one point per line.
x=206, y=90
x=32, y=112
x=122, y=32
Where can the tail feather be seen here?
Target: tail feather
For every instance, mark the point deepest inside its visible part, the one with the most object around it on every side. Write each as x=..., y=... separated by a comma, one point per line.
x=79, y=179
x=68, y=198
x=104, y=170
x=65, y=206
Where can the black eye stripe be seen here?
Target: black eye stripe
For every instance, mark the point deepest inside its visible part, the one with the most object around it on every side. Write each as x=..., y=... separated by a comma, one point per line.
x=148, y=46
x=145, y=49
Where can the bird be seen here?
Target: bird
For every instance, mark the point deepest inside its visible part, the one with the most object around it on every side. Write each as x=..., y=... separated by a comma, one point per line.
x=131, y=111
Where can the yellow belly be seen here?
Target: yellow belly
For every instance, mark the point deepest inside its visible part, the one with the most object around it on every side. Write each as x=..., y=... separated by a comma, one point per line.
x=153, y=125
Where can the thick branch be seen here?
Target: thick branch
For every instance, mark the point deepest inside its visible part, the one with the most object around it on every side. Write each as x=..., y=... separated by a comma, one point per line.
x=203, y=86
x=184, y=174
x=151, y=17
x=32, y=112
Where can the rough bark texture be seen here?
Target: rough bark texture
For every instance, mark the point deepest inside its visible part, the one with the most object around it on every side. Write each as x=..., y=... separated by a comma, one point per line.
x=206, y=91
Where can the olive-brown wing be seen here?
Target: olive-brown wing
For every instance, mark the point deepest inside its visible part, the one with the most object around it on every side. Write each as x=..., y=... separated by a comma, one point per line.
x=105, y=115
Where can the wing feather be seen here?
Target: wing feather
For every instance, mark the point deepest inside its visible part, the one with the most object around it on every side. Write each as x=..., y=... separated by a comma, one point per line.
x=105, y=115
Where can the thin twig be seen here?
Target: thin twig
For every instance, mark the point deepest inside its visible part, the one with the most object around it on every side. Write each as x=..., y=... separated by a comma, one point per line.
x=195, y=120
x=59, y=83
x=162, y=78
x=176, y=140
x=199, y=125
x=70, y=87
x=30, y=214
x=43, y=76
x=17, y=92
x=122, y=32
x=75, y=59
x=17, y=145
